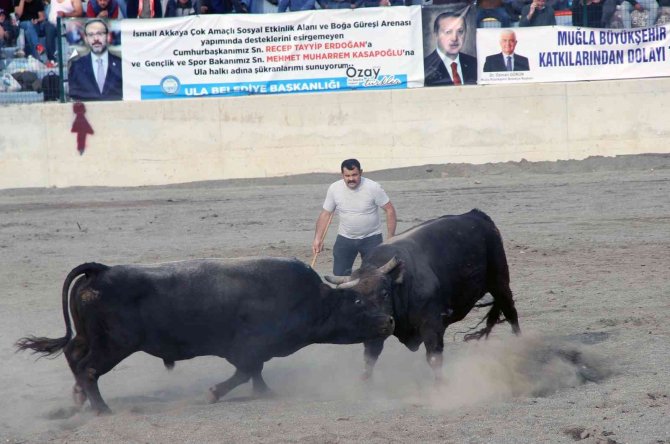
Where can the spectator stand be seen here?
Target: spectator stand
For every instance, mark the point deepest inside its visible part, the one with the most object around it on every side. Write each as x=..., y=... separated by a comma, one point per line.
x=663, y=15
x=22, y=78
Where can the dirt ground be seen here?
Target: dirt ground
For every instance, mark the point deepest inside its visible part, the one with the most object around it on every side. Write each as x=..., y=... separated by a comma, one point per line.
x=588, y=244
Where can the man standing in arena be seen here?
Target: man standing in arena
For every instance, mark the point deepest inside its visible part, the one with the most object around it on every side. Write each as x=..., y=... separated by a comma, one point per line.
x=357, y=201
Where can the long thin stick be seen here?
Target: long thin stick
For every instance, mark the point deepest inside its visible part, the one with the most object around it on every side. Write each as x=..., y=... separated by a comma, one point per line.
x=330, y=219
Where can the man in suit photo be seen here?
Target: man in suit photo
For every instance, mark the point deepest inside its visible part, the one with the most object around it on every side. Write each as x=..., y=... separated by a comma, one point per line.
x=97, y=75
x=506, y=60
x=447, y=65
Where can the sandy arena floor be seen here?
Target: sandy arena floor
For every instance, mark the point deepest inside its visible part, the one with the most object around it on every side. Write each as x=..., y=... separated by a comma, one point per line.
x=589, y=249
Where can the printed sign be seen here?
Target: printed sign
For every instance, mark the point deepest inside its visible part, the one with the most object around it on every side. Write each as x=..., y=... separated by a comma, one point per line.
x=228, y=55
x=560, y=53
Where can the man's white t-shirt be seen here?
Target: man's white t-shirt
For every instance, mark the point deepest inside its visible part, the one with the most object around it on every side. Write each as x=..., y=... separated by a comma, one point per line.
x=358, y=209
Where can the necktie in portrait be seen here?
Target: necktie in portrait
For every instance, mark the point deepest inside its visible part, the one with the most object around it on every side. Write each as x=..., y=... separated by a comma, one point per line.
x=100, y=76
x=454, y=73
x=508, y=64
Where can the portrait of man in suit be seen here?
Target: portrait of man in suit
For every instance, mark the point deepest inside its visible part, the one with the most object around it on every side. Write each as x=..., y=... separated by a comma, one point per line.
x=447, y=65
x=507, y=59
x=97, y=75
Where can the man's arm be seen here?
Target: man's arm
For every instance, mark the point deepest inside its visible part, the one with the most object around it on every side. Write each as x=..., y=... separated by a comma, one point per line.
x=18, y=9
x=390, y=219
x=321, y=227
x=77, y=10
x=635, y=5
x=527, y=14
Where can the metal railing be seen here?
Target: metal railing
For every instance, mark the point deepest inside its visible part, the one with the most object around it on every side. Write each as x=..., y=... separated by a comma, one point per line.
x=25, y=79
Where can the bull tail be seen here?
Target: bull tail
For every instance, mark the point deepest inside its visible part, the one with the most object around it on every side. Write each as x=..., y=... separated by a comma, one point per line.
x=44, y=346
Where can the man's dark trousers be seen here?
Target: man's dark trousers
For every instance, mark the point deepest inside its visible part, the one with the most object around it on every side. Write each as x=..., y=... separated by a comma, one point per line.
x=345, y=251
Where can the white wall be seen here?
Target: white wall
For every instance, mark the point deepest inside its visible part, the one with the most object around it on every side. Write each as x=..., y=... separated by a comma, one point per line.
x=162, y=142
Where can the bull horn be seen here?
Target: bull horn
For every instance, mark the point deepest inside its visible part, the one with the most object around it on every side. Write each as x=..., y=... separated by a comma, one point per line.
x=337, y=280
x=349, y=284
x=390, y=265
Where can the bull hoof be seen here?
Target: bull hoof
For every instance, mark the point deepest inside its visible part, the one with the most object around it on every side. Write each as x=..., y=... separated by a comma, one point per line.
x=102, y=411
x=212, y=397
x=264, y=393
x=366, y=376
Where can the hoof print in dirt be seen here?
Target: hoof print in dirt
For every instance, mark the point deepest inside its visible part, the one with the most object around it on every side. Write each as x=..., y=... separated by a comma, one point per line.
x=593, y=435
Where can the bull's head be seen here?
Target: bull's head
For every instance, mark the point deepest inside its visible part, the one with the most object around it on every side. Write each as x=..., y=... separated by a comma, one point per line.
x=374, y=284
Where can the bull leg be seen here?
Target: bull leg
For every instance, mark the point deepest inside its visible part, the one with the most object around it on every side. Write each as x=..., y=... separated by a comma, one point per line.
x=511, y=315
x=260, y=388
x=86, y=386
x=503, y=299
x=226, y=386
x=370, y=355
x=93, y=392
x=434, y=343
x=78, y=395
x=88, y=366
x=498, y=286
x=74, y=352
x=89, y=369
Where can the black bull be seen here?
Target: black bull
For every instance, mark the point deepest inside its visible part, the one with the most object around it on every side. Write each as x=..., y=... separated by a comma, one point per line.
x=247, y=311
x=431, y=276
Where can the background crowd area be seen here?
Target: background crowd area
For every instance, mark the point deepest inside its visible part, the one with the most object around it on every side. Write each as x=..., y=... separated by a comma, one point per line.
x=29, y=37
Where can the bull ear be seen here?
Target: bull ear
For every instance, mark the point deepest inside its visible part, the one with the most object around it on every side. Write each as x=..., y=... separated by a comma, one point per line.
x=337, y=280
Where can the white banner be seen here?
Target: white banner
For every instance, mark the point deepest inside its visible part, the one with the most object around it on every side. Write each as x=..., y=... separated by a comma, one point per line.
x=559, y=53
x=227, y=55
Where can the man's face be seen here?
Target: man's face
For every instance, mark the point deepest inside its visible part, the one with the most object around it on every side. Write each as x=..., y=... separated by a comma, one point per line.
x=451, y=35
x=351, y=177
x=508, y=43
x=103, y=4
x=96, y=37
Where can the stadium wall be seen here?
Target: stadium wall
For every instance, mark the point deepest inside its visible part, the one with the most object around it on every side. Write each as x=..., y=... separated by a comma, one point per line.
x=165, y=142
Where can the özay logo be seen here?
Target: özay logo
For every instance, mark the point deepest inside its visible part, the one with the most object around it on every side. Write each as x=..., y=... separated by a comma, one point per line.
x=170, y=85
x=369, y=77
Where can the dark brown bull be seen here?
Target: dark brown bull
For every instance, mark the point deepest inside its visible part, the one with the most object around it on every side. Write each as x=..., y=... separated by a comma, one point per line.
x=247, y=311
x=431, y=276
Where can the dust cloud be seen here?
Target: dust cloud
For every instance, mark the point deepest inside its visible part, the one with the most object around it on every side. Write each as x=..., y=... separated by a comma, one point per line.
x=528, y=366
x=476, y=372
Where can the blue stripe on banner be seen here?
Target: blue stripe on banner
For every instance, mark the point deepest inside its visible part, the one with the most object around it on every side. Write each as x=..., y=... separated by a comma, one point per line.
x=176, y=90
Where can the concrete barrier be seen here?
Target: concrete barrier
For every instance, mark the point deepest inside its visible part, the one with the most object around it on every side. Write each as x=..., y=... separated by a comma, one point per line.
x=164, y=142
